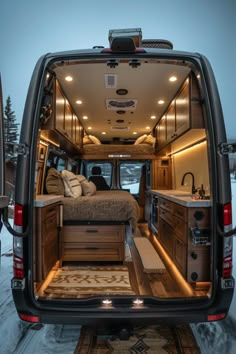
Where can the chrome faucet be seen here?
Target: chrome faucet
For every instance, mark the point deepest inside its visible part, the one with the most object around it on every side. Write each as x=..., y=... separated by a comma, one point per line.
x=194, y=190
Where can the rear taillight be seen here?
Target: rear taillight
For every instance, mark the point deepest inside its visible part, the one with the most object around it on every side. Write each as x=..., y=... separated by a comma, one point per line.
x=29, y=318
x=227, y=242
x=18, y=215
x=18, y=259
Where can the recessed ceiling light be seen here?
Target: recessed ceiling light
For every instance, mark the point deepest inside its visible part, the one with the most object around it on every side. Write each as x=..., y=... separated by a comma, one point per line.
x=147, y=128
x=68, y=78
x=103, y=133
x=79, y=102
x=153, y=117
x=135, y=133
x=173, y=78
x=89, y=128
x=161, y=102
x=85, y=117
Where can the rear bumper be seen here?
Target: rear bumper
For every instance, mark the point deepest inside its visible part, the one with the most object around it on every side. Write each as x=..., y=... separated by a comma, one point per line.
x=92, y=313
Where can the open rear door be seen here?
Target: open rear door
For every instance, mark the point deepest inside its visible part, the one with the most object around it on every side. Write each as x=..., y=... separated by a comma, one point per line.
x=3, y=197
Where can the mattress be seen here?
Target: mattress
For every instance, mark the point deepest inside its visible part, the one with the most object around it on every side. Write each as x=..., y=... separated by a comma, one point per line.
x=118, y=149
x=110, y=206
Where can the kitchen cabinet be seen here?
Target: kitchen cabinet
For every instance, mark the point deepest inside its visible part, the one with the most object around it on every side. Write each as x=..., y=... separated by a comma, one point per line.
x=175, y=224
x=47, y=238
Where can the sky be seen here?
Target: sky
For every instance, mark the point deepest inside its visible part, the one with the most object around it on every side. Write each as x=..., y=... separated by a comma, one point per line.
x=31, y=28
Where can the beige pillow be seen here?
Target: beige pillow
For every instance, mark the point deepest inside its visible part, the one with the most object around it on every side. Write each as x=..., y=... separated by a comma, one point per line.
x=81, y=178
x=149, y=140
x=88, y=188
x=54, y=182
x=71, y=183
x=87, y=140
x=94, y=140
x=140, y=140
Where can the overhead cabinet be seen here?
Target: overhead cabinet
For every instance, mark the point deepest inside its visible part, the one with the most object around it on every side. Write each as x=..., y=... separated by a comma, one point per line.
x=64, y=126
x=183, y=113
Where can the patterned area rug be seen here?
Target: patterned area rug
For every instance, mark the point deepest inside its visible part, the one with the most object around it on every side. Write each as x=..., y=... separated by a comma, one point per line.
x=77, y=281
x=150, y=340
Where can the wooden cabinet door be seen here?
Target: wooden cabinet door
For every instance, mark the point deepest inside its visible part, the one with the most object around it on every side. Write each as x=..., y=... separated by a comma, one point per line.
x=170, y=122
x=161, y=132
x=179, y=255
x=182, y=110
x=166, y=236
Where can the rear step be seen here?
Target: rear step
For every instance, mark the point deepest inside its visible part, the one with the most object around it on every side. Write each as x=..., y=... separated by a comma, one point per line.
x=150, y=259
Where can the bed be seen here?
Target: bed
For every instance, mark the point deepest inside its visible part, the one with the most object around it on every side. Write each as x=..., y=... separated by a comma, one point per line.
x=94, y=222
x=112, y=205
x=95, y=227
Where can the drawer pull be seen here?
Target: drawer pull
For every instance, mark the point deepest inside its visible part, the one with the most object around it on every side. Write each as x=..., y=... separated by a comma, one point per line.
x=91, y=248
x=92, y=231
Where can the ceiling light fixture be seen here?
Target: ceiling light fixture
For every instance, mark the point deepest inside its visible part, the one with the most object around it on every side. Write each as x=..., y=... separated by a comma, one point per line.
x=78, y=102
x=173, y=79
x=153, y=117
x=85, y=117
x=69, y=78
x=161, y=102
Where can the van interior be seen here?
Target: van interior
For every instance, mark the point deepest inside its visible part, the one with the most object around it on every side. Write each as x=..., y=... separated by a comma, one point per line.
x=122, y=182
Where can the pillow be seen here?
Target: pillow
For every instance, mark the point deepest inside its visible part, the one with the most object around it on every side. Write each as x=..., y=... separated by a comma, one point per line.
x=140, y=140
x=90, y=139
x=81, y=178
x=87, y=140
x=149, y=140
x=72, y=185
x=94, y=140
x=88, y=188
x=54, y=182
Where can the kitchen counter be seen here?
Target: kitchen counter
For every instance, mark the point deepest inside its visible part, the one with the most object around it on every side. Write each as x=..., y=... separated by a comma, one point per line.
x=182, y=198
x=43, y=200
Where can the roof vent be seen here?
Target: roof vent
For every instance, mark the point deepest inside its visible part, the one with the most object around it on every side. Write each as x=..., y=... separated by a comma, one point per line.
x=119, y=128
x=157, y=43
x=121, y=103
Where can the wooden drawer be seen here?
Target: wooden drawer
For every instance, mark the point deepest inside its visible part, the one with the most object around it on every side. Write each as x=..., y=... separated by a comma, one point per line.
x=180, y=211
x=93, y=252
x=94, y=233
x=48, y=211
x=165, y=215
x=166, y=204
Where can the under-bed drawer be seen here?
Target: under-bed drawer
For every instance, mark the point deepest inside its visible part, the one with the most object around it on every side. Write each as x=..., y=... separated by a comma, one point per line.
x=93, y=252
x=94, y=233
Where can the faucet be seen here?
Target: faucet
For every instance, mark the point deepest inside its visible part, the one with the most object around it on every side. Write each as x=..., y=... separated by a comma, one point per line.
x=193, y=186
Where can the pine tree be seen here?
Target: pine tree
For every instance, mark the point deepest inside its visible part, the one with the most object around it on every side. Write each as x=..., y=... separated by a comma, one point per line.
x=10, y=128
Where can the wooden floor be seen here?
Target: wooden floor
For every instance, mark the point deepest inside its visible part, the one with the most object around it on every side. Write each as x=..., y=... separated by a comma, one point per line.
x=169, y=284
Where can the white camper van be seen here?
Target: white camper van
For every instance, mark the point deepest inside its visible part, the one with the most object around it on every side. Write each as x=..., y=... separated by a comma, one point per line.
x=122, y=199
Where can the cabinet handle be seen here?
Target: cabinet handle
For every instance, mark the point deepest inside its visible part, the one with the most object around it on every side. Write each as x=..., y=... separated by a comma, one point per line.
x=92, y=231
x=92, y=248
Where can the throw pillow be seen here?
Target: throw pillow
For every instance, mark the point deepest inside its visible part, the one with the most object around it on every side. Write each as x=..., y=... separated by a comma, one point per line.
x=72, y=185
x=54, y=182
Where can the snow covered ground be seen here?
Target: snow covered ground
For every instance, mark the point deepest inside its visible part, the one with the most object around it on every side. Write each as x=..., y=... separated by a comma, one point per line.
x=19, y=337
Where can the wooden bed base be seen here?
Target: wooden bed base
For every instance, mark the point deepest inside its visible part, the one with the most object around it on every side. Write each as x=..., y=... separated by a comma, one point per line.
x=92, y=242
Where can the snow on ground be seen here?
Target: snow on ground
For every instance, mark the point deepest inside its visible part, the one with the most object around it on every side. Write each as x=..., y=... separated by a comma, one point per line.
x=20, y=337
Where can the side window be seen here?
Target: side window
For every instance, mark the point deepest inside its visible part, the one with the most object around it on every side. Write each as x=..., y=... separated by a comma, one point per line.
x=106, y=170
x=130, y=175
